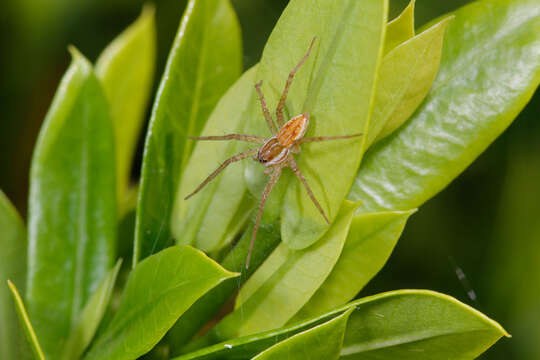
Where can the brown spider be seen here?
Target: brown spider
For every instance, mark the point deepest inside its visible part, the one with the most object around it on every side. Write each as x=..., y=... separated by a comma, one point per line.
x=276, y=152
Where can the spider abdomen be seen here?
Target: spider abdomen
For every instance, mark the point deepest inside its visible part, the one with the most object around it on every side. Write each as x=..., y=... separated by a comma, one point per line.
x=272, y=152
x=293, y=130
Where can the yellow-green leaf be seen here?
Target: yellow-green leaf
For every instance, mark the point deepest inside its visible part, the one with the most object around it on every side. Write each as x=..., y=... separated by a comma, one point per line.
x=371, y=239
x=400, y=29
x=204, y=219
x=406, y=75
x=126, y=71
x=321, y=342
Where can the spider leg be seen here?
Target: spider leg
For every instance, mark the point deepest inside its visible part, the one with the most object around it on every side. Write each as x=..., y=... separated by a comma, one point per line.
x=265, y=111
x=279, y=109
x=237, y=157
x=296, y=170
x=327, y=138
x=241, y=137
x=274, y=177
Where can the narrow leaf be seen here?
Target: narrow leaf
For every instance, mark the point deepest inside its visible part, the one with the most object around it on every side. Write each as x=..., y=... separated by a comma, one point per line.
x=72, y=210
x=406, y=75
x=285, y=282
x=26, y=324
x=204, y=219
x=400, y=29
x=322, y=342
x=159, y=290
x=371, y=239
x=205, y=60
x=12, y=267
x=126, y=70
x=335, y=86
x=91, y=316
x=489, y=70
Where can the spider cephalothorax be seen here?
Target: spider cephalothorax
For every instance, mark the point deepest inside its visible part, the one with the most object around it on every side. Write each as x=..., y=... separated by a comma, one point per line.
x=276, y=152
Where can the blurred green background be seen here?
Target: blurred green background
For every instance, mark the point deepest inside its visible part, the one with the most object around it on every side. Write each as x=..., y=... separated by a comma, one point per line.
x=486, y=224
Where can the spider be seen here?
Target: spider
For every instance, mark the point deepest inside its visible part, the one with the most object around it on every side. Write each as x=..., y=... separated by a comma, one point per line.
x=276, y=152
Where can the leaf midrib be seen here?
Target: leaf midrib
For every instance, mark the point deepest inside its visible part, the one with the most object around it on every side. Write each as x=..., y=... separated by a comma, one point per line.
x=376, y=345
x=81, y=242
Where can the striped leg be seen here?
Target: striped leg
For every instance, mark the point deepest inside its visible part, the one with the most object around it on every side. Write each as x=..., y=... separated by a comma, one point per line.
x=274, y=177
x=279, y=109
x=296, y=170
x=237, y=157
x=241, y=137
x=265, y=111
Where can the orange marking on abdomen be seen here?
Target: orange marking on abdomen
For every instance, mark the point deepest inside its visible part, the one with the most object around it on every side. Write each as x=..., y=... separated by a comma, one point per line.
x=293, y=130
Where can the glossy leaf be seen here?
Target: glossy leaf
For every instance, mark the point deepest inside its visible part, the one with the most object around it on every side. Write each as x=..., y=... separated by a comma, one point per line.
x=417, y=324
x=91, y=316
x=26, y=324
x=158, y=291
x=400, y=29
x=205, y=60
x=406, y=75
x=393, y=325
x=322, y=342
x=285, y=282
x=371, y=239
x=72, y=210
x=204, y=219
x=489, y=70
x=335, y=86
x=126, y=70
x=12, y=267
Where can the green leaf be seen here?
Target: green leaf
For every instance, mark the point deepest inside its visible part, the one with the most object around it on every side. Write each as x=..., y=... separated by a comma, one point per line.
x=406, y=75
x=320, y=342
x=126, y=70
x=371, y=239
x=204, y=220
x=335, y=86
x=72, y=210
x=400, y=29
x=159, y=290
x=91, y=316
x=206, y=58
x=417, y=324
x=489, y=70
x=285, y=282
x=26, y=324
x=12, y=267
x=393, y=325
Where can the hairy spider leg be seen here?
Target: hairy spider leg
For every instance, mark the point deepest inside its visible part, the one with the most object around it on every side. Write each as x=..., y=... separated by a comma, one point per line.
x=281, y=104
x=274, y=177
x=294, y=166
x=241, y=137
x=237, y=157
x=326, y=138
x=265, y=111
